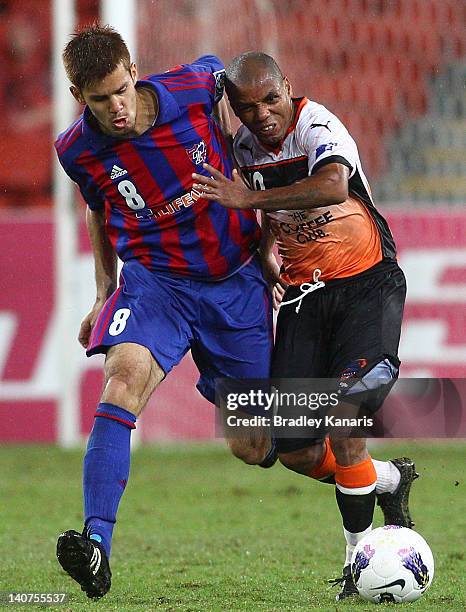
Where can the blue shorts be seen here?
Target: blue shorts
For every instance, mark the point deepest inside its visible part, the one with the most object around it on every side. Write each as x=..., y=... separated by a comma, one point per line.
x=227, y=324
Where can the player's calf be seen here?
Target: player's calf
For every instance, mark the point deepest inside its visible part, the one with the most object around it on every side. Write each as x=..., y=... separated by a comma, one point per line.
x=252, y=450
x=312, y=461
x=271, y=457
x=249, y=442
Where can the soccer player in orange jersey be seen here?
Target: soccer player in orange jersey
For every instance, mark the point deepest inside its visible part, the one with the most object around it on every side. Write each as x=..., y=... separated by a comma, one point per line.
x=341, y=313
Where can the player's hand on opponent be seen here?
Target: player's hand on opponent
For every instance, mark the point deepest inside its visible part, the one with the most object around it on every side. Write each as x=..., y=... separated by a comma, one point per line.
x=271, y=272
x=88, y=323
x=278, y=291
x=229, y=193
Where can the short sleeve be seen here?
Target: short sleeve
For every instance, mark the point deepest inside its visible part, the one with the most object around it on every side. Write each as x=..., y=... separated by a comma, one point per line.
x=326, y=140
x=214, y=72
x=91, y=197
x=88, y=189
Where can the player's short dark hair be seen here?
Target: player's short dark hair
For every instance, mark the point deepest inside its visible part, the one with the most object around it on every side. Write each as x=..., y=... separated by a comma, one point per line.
x=240, y=67
x=93, y=53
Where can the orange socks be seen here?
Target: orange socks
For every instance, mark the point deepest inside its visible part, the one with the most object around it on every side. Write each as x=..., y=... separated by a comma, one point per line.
x=327, y=466
x=356, y=479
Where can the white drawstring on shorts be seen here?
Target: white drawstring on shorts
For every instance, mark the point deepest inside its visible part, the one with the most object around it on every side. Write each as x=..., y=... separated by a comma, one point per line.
x=305, y=289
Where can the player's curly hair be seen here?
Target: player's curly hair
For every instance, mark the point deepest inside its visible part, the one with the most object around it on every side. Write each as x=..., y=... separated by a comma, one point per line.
x=94, y=52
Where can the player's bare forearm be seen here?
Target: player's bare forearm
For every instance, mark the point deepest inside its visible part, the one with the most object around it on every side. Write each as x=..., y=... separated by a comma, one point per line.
x=329, y=185
x=105, y=260
x=267, y=238
x=221, y=114
x=105, y=264
x=270, y=267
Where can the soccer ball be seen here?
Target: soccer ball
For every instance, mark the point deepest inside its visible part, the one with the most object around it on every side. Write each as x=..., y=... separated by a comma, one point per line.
x=392, y=564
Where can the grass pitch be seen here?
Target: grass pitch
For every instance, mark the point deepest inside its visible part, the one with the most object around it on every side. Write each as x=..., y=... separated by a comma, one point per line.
x=199, y=531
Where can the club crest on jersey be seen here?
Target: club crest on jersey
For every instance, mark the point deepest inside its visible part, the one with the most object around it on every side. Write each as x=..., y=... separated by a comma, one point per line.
x=325, y=147
x=197, y=153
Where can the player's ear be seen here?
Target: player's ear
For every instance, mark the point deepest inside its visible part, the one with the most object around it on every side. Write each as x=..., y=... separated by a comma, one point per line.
x=133, y=72
x=289, y=89
x=77, y=95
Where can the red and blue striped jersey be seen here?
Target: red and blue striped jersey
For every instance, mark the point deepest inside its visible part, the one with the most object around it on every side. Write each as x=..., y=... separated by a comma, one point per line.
x=145, y=184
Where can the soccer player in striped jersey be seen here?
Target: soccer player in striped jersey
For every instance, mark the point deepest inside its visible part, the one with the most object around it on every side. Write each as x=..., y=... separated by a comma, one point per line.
x=191, y=278
x=341, y=313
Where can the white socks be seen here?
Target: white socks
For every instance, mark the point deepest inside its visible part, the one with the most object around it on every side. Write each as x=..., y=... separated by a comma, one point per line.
x=388, y=479
x=351, y=540
x=388, y=476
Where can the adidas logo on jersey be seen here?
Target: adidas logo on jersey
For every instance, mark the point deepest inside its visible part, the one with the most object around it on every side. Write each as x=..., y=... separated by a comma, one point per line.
x=117, y=172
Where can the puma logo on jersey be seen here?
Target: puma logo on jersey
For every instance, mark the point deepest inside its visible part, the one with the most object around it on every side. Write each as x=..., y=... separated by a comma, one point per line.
x=325, y=125
x=117, y=172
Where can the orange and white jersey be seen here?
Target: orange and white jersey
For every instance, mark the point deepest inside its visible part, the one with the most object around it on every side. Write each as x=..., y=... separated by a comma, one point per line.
x=342, y=239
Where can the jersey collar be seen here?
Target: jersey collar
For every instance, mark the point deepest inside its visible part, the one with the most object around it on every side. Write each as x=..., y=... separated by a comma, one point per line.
x=168, y=111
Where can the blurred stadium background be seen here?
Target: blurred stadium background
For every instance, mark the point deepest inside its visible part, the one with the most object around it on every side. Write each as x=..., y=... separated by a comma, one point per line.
x=393, y=70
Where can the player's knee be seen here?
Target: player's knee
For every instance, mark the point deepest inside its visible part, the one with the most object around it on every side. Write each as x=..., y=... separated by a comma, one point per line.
x=120, y=390
x=252, y=454
x=131, y=374
x=302, y=460
x=126, y=389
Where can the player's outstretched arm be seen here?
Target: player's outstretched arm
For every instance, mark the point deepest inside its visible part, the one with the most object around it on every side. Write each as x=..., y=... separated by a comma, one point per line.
x=329, y=185
x=105, y=265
